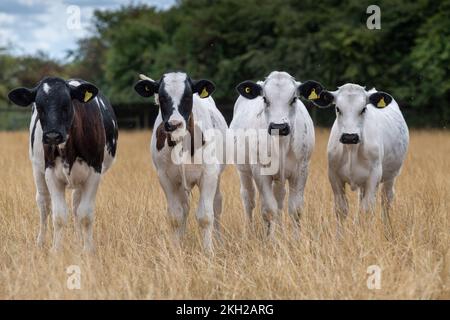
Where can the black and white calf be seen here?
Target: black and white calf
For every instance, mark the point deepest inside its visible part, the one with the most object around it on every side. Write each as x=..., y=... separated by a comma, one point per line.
x=187, y=113
x=73, y=140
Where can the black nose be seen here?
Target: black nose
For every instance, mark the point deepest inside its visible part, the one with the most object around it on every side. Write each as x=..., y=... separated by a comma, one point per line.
x=172, y=125
x=281, y=129
x=53, y=137
x=349, y=138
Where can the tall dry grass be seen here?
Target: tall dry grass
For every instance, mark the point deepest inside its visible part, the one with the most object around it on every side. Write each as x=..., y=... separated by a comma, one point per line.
x=135, y=258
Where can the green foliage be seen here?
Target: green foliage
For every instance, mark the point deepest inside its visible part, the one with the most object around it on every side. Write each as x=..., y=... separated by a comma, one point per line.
x=430, y=59
x=25, y=71
x=229, y=41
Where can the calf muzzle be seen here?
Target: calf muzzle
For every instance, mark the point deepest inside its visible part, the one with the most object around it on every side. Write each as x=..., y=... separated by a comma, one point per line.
x=349, y=138
x=173, y=125
x=53, y=138
x=282, y=129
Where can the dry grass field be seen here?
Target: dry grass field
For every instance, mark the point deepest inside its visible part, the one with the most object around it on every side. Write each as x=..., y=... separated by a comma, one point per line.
x=136, y=260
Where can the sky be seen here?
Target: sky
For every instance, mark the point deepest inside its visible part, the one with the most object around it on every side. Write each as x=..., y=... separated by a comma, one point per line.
x=53, y=26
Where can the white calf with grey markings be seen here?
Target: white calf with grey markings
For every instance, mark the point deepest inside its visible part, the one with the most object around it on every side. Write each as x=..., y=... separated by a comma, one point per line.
x=367, y=146
x=273, y=106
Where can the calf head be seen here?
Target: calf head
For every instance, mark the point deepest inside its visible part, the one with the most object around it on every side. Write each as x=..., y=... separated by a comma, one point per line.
x=174, y=95
x=53, y=99
x=279, y=94
x=351, y=102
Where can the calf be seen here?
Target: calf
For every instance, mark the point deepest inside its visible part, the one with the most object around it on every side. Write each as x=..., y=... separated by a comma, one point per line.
x=186, y=113
x=73, y=139
x=273, y=107
x=367, y=145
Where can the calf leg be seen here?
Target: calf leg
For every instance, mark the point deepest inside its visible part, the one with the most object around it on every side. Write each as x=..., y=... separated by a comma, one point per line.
x=205, y=212
x=362, y=193
x=340, y=201
x=387, y=196
x=59, y=207
x=247, y=194
x=296, y=199
x=217, y=212
x=368, y=201
x=177, y=207
x=279, y=191
x=76, y=198
x=177, y=210
x=43, y=201
x=269, y=207
x=85, y=211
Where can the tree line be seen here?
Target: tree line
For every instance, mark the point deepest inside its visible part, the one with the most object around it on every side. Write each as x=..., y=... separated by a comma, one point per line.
x=229, y=41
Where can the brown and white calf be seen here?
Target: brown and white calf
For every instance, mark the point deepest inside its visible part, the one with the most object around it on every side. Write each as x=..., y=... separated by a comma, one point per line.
x=73, y=140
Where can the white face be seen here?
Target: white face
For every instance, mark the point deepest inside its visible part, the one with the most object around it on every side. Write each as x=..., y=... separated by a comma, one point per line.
x=351, y=102
x=279, y=92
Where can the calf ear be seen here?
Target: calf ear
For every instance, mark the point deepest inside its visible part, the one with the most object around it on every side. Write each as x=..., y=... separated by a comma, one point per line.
x=204, y=88
x=249, y=89
x=380, y=99
x=313, y=91
x=84, y=92
x=22, y=96
x=146, y=88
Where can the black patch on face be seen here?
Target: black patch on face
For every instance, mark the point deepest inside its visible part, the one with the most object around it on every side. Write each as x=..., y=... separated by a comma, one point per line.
x=54, y=108
x=185, y=106
x=167, y=104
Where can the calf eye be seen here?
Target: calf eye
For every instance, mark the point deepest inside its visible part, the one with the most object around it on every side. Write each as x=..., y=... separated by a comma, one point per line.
x=363, y=110
x=338, y=110
x=293, y=101
x=266, y=101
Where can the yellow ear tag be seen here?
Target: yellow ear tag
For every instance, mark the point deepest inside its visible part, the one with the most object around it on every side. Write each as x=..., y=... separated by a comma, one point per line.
x=381, y=103
x=204, y=93
x=87, y=96
x=313, y=95
x=247, y=90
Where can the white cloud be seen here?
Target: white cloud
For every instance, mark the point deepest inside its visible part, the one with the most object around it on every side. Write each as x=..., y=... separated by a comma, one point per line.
x=33, y=25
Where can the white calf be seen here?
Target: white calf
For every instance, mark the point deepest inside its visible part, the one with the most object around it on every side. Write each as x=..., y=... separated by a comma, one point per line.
x=367, y=146
x=272, y=106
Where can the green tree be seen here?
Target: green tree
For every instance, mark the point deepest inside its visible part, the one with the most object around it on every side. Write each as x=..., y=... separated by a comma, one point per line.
x=229, y=41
